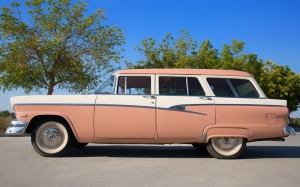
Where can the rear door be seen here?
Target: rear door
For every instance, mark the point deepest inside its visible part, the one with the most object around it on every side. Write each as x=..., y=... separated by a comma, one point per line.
x=184, y=108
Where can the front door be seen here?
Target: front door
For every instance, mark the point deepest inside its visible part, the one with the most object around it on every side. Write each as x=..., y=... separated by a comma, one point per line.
x=130, y=113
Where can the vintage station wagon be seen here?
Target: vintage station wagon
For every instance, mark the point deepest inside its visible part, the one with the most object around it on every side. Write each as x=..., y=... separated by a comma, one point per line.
x=220, y=110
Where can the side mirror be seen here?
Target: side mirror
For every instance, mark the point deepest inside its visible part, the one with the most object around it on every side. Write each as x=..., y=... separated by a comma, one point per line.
x=85, y=91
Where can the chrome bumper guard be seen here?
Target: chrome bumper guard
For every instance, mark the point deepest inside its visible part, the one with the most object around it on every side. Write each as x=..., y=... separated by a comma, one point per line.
x=16, y=128
x=289, y=131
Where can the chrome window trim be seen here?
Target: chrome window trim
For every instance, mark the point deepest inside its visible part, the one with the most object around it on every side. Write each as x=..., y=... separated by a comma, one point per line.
x=232, y=88
x=187, y=86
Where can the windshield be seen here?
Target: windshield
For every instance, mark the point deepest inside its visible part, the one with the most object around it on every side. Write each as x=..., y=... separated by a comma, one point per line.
x=107, y=86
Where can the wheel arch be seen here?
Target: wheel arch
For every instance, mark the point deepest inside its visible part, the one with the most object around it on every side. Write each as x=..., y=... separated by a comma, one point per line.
x=214, y=132
x=38, y=118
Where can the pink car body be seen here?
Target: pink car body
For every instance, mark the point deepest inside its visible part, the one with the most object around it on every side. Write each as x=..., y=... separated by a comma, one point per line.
x=219, y=109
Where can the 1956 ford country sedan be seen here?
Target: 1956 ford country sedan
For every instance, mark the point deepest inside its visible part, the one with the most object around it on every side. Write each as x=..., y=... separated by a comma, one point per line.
x=220, y=110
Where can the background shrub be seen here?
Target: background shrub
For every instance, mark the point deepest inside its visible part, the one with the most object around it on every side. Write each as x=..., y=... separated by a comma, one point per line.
x=295, y=122
x=5, y=118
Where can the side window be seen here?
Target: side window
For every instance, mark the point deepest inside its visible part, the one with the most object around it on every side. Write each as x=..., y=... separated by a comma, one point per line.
x=223, y=87
x=180, y=86
x=134, y=85
x=244, y=88
x=220, y=87
x=172, y=86
x=195, y=87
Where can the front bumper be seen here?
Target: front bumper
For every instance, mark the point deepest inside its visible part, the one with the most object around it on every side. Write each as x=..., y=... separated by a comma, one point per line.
x=289, y=131
x=16, y=128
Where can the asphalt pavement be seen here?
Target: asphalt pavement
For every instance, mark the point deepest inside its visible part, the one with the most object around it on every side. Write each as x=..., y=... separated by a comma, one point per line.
x=262, y=164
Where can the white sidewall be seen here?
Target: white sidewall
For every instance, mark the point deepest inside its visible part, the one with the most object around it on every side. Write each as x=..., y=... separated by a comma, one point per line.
x=51, y=124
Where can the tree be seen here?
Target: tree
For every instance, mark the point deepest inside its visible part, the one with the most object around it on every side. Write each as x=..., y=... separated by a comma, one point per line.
x=207, y=56
x=60, y=45
x=7, y=114
x=170, y=53
x=278, y=82
x=5, y=118
x=231, y=57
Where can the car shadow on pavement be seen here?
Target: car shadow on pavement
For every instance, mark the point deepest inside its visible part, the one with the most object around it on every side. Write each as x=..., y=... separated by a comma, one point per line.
x=256, y=152
x=136, y=151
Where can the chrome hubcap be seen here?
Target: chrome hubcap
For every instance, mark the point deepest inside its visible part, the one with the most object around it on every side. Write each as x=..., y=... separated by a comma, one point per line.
x=51, y=137
x=226, y=143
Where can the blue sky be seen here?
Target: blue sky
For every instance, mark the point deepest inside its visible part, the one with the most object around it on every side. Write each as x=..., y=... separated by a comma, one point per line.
x=269, y=28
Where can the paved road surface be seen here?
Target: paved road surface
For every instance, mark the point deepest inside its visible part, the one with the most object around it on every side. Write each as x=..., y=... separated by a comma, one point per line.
x=263, y=164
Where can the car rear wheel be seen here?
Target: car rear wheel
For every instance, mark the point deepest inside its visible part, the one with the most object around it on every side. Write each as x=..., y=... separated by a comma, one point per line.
x=51, y=138
x=226, y=147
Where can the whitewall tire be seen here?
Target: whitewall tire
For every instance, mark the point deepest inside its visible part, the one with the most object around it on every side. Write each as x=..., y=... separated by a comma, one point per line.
x=51, y=138
x=226, y=147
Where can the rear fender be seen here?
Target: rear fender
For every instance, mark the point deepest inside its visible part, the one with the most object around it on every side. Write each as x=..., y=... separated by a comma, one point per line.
x=227, y=132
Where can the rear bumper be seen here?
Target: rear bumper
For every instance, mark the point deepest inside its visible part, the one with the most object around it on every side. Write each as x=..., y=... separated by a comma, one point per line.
x=16, y=128
x=289, y=131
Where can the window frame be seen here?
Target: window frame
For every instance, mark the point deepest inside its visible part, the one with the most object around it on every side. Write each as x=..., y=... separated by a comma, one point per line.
x=198, y=77
x=111, y=80
x=236, y=91
x=257, y=88
x=152, y=79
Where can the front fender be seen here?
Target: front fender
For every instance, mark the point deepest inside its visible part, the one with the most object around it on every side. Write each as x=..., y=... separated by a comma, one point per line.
x=35, y=117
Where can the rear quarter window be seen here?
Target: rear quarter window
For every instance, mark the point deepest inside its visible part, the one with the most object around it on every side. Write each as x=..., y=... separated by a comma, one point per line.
x=244, y=88
x=225, y=87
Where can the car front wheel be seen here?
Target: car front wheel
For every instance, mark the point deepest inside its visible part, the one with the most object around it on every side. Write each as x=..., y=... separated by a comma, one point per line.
x=51, y=138
x=226, y=147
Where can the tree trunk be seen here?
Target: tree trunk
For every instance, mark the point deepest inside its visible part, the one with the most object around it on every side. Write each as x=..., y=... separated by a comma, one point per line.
x=50, y=88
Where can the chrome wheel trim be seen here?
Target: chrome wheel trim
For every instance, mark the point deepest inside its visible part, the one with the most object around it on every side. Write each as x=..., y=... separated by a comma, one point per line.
x=51, y=137
x=227, y=146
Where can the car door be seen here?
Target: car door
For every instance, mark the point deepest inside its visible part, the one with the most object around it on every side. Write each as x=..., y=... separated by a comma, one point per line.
x=130, y=112
x=183, y=107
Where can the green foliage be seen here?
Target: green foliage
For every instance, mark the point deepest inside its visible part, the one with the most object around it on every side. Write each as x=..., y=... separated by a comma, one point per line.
x=295, y=122
x=59, y=46
x=7, y=114
x=278, y=82
x=5, y=118
x=206, y=56
x=168, y=54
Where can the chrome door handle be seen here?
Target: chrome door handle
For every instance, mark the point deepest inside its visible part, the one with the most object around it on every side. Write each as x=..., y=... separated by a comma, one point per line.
x=149, y=96
x=206, y=98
